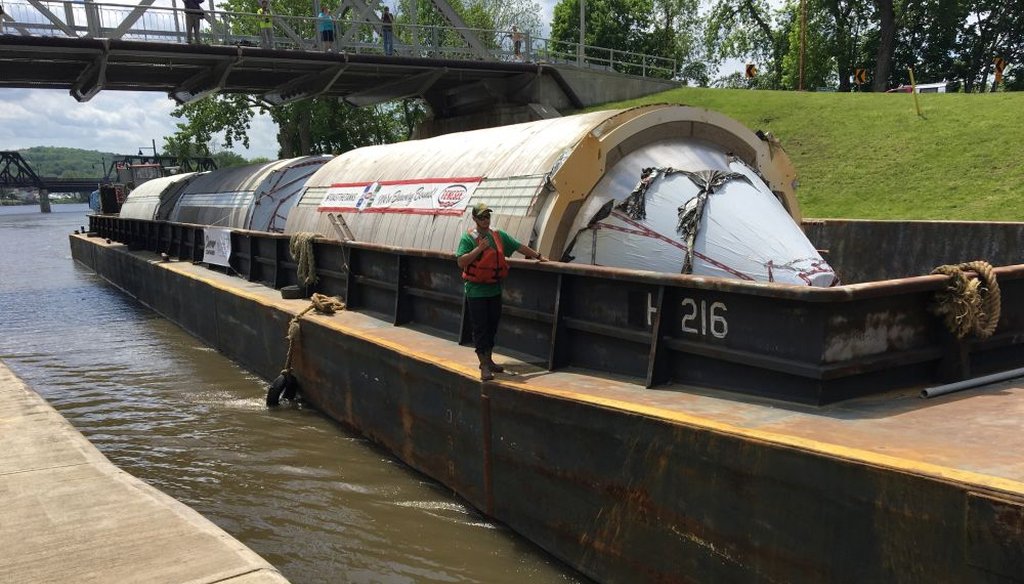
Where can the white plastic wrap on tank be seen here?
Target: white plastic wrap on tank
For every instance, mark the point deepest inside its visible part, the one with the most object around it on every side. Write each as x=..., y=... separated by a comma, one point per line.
x=547, y=179
x=257, y=196
x=742, y=231
x=154, y=199
x=507, y=167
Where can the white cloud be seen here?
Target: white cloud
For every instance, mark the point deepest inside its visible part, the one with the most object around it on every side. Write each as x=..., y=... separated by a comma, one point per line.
x=112, y=121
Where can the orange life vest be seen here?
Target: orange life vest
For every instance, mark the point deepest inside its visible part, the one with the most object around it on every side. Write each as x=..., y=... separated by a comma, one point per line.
x=491, y=267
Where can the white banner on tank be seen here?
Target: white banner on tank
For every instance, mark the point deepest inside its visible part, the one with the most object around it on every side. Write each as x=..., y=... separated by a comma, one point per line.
x=424, y=196
x=217, y=249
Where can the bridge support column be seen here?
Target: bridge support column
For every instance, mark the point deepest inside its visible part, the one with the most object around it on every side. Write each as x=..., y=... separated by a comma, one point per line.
x=44, y=201
x=500, y=115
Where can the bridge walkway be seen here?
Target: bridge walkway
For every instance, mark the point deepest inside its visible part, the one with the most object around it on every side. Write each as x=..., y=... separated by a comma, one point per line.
x=460, y=72
x=356, y=24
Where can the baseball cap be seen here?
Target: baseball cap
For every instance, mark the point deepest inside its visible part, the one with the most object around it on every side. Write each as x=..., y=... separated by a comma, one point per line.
x=481, y=209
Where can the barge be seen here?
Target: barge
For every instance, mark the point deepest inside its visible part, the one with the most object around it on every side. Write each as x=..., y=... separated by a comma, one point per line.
x=654, y=427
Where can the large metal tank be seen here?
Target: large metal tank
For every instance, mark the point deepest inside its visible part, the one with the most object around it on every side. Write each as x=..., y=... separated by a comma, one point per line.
x=257, y=196
x=551, y=181
x=155, y=199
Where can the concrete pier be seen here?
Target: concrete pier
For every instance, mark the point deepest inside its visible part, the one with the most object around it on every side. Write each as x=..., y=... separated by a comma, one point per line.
x=70, y=515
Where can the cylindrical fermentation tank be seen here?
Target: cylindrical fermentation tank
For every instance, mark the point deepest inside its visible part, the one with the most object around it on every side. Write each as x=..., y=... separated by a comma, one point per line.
x=665, y=188
x=257, y=196
x=154, y=199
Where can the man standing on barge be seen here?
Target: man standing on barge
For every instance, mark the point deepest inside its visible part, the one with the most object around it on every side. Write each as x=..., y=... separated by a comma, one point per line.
x=481, y=256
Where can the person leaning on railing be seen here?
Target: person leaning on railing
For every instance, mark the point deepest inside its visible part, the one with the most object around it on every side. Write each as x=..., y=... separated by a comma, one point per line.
x=193, y=16
x=517, y=42
x=325, y=26
x=266, y=24
x=481, y=256
x=386, y=31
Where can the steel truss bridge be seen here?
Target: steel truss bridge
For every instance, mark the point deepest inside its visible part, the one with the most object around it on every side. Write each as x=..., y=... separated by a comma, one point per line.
x=16, y=172
x=86, y=47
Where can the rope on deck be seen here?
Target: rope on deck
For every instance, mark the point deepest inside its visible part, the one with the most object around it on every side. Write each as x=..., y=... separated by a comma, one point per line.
x=969, y=306
x=301, y=247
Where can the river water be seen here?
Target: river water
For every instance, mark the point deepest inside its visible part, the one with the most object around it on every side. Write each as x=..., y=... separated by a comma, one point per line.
x=318, y=502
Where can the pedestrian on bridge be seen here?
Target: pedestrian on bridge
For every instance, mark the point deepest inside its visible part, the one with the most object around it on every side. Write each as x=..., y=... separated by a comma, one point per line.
x=517, y=43
x=325, y=25
x=193, y=17
x=481, y=256
x=266, y=22
x=387, y=32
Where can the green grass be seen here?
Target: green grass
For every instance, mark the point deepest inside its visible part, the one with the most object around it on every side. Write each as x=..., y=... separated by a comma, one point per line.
x=869, y=155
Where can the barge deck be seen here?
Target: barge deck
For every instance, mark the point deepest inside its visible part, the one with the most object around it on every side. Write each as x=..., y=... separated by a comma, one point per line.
x=674, y=483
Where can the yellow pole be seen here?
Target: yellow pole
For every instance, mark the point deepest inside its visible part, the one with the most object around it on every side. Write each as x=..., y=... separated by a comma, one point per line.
x=913, y=89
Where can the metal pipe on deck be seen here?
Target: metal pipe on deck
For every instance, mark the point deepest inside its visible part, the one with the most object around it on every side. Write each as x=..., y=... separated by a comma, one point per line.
x=969, y=383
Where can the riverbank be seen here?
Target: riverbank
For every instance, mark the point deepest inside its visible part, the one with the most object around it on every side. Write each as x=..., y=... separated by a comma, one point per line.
x=72, y=516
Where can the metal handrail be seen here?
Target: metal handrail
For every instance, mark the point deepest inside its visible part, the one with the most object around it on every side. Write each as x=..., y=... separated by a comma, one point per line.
x=165, y=24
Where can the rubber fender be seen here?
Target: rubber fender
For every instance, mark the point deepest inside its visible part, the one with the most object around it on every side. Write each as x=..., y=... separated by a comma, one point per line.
x=284, y=386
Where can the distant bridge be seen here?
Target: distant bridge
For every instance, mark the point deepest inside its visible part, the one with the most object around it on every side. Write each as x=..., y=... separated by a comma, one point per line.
x=88, y=47
x=15, y=172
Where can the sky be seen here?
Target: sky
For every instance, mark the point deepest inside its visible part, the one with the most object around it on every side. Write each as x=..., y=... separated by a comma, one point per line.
x=121, y=122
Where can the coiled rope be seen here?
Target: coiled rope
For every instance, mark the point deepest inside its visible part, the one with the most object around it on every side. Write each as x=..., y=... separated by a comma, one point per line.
x=969, y=305
x=301, y=247
x=285, y=384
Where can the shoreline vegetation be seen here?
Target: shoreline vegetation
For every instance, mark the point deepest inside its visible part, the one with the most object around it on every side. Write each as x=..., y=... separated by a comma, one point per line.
x=871, y=156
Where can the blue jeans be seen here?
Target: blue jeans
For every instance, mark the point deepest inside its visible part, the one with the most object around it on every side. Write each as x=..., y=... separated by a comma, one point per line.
x=389, y=41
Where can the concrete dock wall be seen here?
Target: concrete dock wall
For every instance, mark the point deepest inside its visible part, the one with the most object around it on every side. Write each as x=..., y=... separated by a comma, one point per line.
x=69, y=515
x=626, y=484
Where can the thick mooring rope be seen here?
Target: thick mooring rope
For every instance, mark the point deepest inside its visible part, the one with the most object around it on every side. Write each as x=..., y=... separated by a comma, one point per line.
x=969, y=305
x=301, y=248
x=285, y=384
x=318, y=302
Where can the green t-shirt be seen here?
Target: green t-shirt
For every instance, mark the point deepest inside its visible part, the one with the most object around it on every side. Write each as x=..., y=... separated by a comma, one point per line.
x=466, y=245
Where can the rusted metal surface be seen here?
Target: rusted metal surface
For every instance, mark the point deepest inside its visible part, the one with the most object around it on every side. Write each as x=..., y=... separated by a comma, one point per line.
x=880, y=250
x=802, y=344
x=672, y=484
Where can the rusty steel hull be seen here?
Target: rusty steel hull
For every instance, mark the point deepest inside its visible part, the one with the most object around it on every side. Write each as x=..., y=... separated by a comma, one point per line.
x=795, y=343
x=625, y=483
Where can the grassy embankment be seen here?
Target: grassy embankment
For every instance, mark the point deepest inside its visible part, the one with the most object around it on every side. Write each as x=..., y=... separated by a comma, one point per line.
x=868, y=155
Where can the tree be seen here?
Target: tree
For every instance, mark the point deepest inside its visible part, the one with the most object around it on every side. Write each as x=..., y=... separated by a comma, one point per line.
x=523, y=13
x=676, y=32
x=612, y=24
x=992, y=28
x=230, y=114
x=819, y=61
x=227, y=159
x=321, y=125
x=312, y=126
x=749, y=29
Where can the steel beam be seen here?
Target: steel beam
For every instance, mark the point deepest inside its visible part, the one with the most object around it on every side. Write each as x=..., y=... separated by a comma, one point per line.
x=92, y=79
x=206, y=83
x=311, y=85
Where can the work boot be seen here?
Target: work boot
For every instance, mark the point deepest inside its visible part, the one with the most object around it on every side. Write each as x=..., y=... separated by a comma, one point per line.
x=494, y=366
x=485, y=367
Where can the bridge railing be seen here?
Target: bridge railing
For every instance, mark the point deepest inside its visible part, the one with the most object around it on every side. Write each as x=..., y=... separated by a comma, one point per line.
x=164, y=24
